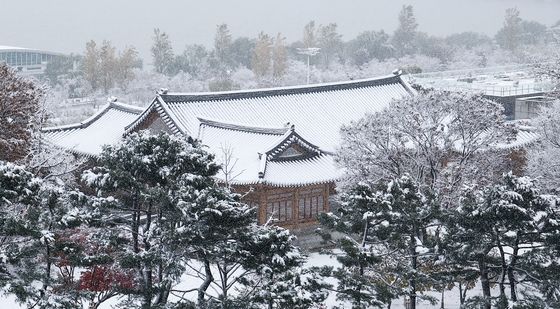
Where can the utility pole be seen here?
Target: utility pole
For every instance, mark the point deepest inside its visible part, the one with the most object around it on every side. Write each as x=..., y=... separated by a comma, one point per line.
x=309, y=52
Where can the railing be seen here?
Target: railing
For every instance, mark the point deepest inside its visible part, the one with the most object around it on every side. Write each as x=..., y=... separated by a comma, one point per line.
x=466, y=80
x=476, y=71
x=500, y=91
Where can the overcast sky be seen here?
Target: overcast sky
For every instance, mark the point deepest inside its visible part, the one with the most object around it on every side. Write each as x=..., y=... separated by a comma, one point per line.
x=65, y=25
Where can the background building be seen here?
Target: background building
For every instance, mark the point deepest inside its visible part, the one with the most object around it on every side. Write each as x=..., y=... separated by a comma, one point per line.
x=27, y=61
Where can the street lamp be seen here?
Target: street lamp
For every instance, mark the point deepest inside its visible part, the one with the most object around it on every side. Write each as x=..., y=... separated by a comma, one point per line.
x=309, y=52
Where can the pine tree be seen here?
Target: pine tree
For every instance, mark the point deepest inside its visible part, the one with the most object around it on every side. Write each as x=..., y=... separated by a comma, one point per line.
x=390, y=243
x=369, y=45
x=405, y=35
x=221, y=60
x=494, y=226
x=278, y=280
x=136, y=182
x=20, y=106
x=34, y=216
x=162, y=52
x=509, y=36
x=222, y=48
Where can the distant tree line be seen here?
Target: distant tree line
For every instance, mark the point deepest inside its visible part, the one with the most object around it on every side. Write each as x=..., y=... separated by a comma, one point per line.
x=270, y=60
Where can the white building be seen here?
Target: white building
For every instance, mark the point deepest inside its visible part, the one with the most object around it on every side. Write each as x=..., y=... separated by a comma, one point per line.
x=25, y=60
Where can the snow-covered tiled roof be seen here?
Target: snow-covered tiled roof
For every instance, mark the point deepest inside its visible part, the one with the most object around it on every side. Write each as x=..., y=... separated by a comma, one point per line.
x=317, y=111
x=525, y=137
x=280, y=136
x=88, y=137
x=253, y=155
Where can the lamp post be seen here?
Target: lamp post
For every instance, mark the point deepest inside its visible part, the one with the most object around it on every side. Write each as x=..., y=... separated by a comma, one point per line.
x=309, y=52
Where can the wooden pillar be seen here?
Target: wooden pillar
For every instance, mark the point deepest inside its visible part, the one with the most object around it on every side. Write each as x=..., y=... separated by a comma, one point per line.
x=295, y=205
x=326, y=205
x=262, y=193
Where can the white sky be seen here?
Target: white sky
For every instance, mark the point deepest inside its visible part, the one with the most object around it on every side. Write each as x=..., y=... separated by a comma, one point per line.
x=65, y=25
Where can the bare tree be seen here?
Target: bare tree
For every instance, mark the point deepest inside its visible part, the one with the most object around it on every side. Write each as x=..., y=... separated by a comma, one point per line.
x=442, y=139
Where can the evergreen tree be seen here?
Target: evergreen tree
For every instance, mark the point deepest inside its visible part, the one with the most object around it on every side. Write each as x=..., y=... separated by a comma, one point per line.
x=136, y=181
x=369, y=45
x=391, y=243
x=405, y=36
x=20, y=106
x=222, y=49
x=500, y=230
x=221, y=60
x=509, y=36
x=194, y=60
x=59, y=67
x=34, y=215
x=278, y=280
x=242, y=50
x=162, y=52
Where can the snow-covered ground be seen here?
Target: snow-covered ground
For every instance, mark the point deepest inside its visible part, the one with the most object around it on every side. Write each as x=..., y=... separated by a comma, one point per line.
x=190, y=281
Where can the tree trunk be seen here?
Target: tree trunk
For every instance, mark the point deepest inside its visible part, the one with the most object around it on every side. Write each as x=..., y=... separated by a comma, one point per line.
x=502, y=283
x=462, y=293
x=511, y=274
x=485, y=282
x=414, y=266
x=271, y=300
x=207, y=281
x=135, y=223
x=148, y=292
x=224, y=271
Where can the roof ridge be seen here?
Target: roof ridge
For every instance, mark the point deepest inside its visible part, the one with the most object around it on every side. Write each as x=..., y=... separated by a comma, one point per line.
x=103, y=110
x=281, y=91
x=287, y=139
x=242, y=127
x=133, y=109
x=82, y=124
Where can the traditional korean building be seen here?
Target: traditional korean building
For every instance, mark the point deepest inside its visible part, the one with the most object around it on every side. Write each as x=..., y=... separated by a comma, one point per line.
x=275, y=145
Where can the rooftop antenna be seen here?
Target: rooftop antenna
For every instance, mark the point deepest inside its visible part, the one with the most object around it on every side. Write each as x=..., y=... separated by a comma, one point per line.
x=309, y=52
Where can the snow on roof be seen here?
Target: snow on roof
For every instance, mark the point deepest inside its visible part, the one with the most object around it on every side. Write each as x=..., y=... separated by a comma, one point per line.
x=317, y=111
x=257, y=126
x=11, y=48
x=4, y=48
x=250, y=152
x=525, y=137
x=88, y=137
